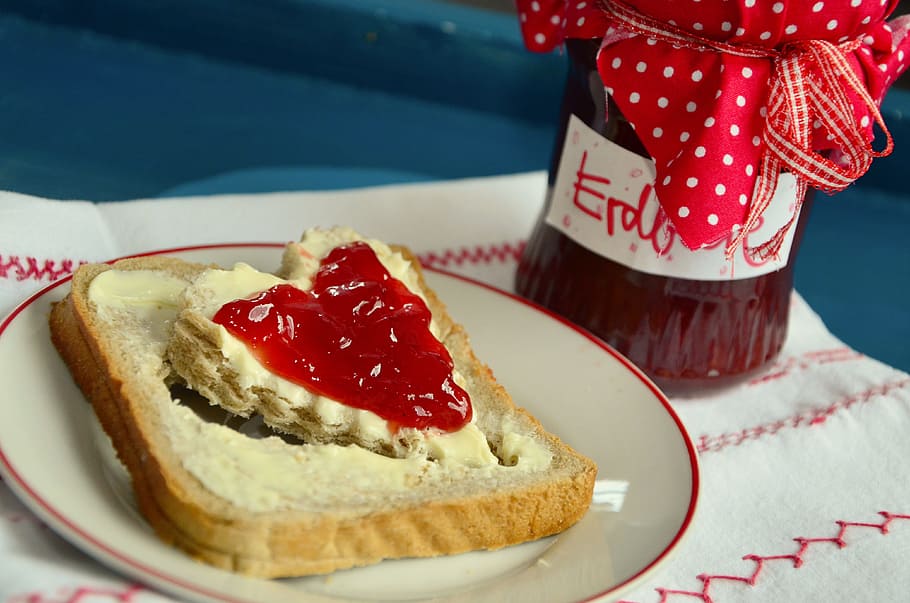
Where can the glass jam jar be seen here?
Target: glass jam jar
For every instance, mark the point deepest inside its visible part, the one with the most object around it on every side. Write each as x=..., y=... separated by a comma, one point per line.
x=690, y=336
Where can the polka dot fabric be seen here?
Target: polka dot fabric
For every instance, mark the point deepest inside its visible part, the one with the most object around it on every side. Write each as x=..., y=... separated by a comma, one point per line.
x=700, y=109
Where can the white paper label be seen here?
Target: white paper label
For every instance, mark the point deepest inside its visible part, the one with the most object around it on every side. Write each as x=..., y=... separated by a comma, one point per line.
x=603, y=198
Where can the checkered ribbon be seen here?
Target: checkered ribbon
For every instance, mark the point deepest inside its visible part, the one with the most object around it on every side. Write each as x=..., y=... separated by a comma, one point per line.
x=726, y=94
x=810, y=86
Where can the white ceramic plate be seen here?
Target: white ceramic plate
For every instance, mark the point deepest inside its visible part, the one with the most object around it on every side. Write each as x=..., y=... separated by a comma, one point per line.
x=579, y=388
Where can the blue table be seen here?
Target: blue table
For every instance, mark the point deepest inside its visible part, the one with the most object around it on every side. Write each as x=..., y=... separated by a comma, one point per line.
x=119, y=99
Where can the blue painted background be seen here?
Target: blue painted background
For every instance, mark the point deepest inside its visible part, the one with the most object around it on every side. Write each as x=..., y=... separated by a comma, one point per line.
x=118, y=99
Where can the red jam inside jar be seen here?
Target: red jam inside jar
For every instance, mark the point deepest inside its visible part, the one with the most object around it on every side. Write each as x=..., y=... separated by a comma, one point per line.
x=358, y=336
x=689, y=336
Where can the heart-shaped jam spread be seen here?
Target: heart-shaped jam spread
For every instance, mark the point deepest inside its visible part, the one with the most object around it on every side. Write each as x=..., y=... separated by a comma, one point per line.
x=358, y=336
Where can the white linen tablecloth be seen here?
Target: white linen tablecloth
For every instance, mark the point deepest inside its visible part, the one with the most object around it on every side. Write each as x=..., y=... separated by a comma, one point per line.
x=805, y=493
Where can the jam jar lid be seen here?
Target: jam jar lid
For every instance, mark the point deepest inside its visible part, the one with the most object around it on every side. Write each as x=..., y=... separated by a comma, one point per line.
x=725, y=96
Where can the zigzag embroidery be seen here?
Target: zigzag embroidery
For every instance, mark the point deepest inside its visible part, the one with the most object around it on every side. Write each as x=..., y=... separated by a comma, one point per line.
x=796, y=559
x=30, y=268
x=818, y=357
x=83, y=594
x=809, y=418
x=503, y=252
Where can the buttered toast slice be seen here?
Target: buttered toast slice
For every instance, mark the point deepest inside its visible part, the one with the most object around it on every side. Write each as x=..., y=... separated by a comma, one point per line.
x=222, y=369
x=271, y=507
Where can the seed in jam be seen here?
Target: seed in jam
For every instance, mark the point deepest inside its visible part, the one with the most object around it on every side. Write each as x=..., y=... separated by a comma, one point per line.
x=358, y=336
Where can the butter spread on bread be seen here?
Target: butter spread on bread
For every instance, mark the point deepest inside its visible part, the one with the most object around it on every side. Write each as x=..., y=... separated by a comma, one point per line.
x=275, y=507
x=270, y=474
x=229, y=375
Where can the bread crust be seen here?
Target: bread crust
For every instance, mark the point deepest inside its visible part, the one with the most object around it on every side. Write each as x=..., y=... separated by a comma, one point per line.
x=184, y=513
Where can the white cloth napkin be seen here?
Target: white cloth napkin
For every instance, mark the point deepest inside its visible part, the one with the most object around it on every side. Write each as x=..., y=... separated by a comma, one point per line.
x=804, y=494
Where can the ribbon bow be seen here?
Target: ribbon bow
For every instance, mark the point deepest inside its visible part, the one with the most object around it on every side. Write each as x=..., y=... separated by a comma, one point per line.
x=810, y=87
x=727, y=95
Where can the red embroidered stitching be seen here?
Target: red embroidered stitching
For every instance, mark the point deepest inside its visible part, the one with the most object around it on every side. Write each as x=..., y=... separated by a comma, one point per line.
x=796, y=559
x=806, y=418
x=80, y=594
x=790, y=364
x=503, y=252
x=13, y=268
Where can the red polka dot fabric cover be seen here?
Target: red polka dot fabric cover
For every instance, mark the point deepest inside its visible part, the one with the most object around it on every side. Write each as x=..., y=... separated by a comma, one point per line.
x=698, y=80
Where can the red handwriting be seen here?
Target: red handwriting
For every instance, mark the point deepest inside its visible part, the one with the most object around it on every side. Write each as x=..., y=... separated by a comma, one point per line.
x=581, y=176
x=660, y=233
x=644, y=216
x=750, y=258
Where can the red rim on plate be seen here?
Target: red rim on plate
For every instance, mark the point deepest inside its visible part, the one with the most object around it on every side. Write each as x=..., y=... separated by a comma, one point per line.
x=82, y=538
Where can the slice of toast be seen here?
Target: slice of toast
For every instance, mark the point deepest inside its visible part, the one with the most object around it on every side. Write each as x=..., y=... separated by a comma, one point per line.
x=271, y=508
x=199, y=353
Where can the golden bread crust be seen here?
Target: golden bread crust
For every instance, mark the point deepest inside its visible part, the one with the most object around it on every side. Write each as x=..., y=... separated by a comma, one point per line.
x=185, y=514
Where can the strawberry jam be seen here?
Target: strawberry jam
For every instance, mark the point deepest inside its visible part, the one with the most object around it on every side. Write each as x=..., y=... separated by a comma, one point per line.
x=358, y=336
x=690, y=336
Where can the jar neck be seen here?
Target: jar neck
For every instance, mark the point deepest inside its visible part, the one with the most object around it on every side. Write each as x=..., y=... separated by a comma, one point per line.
x=586, y=98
